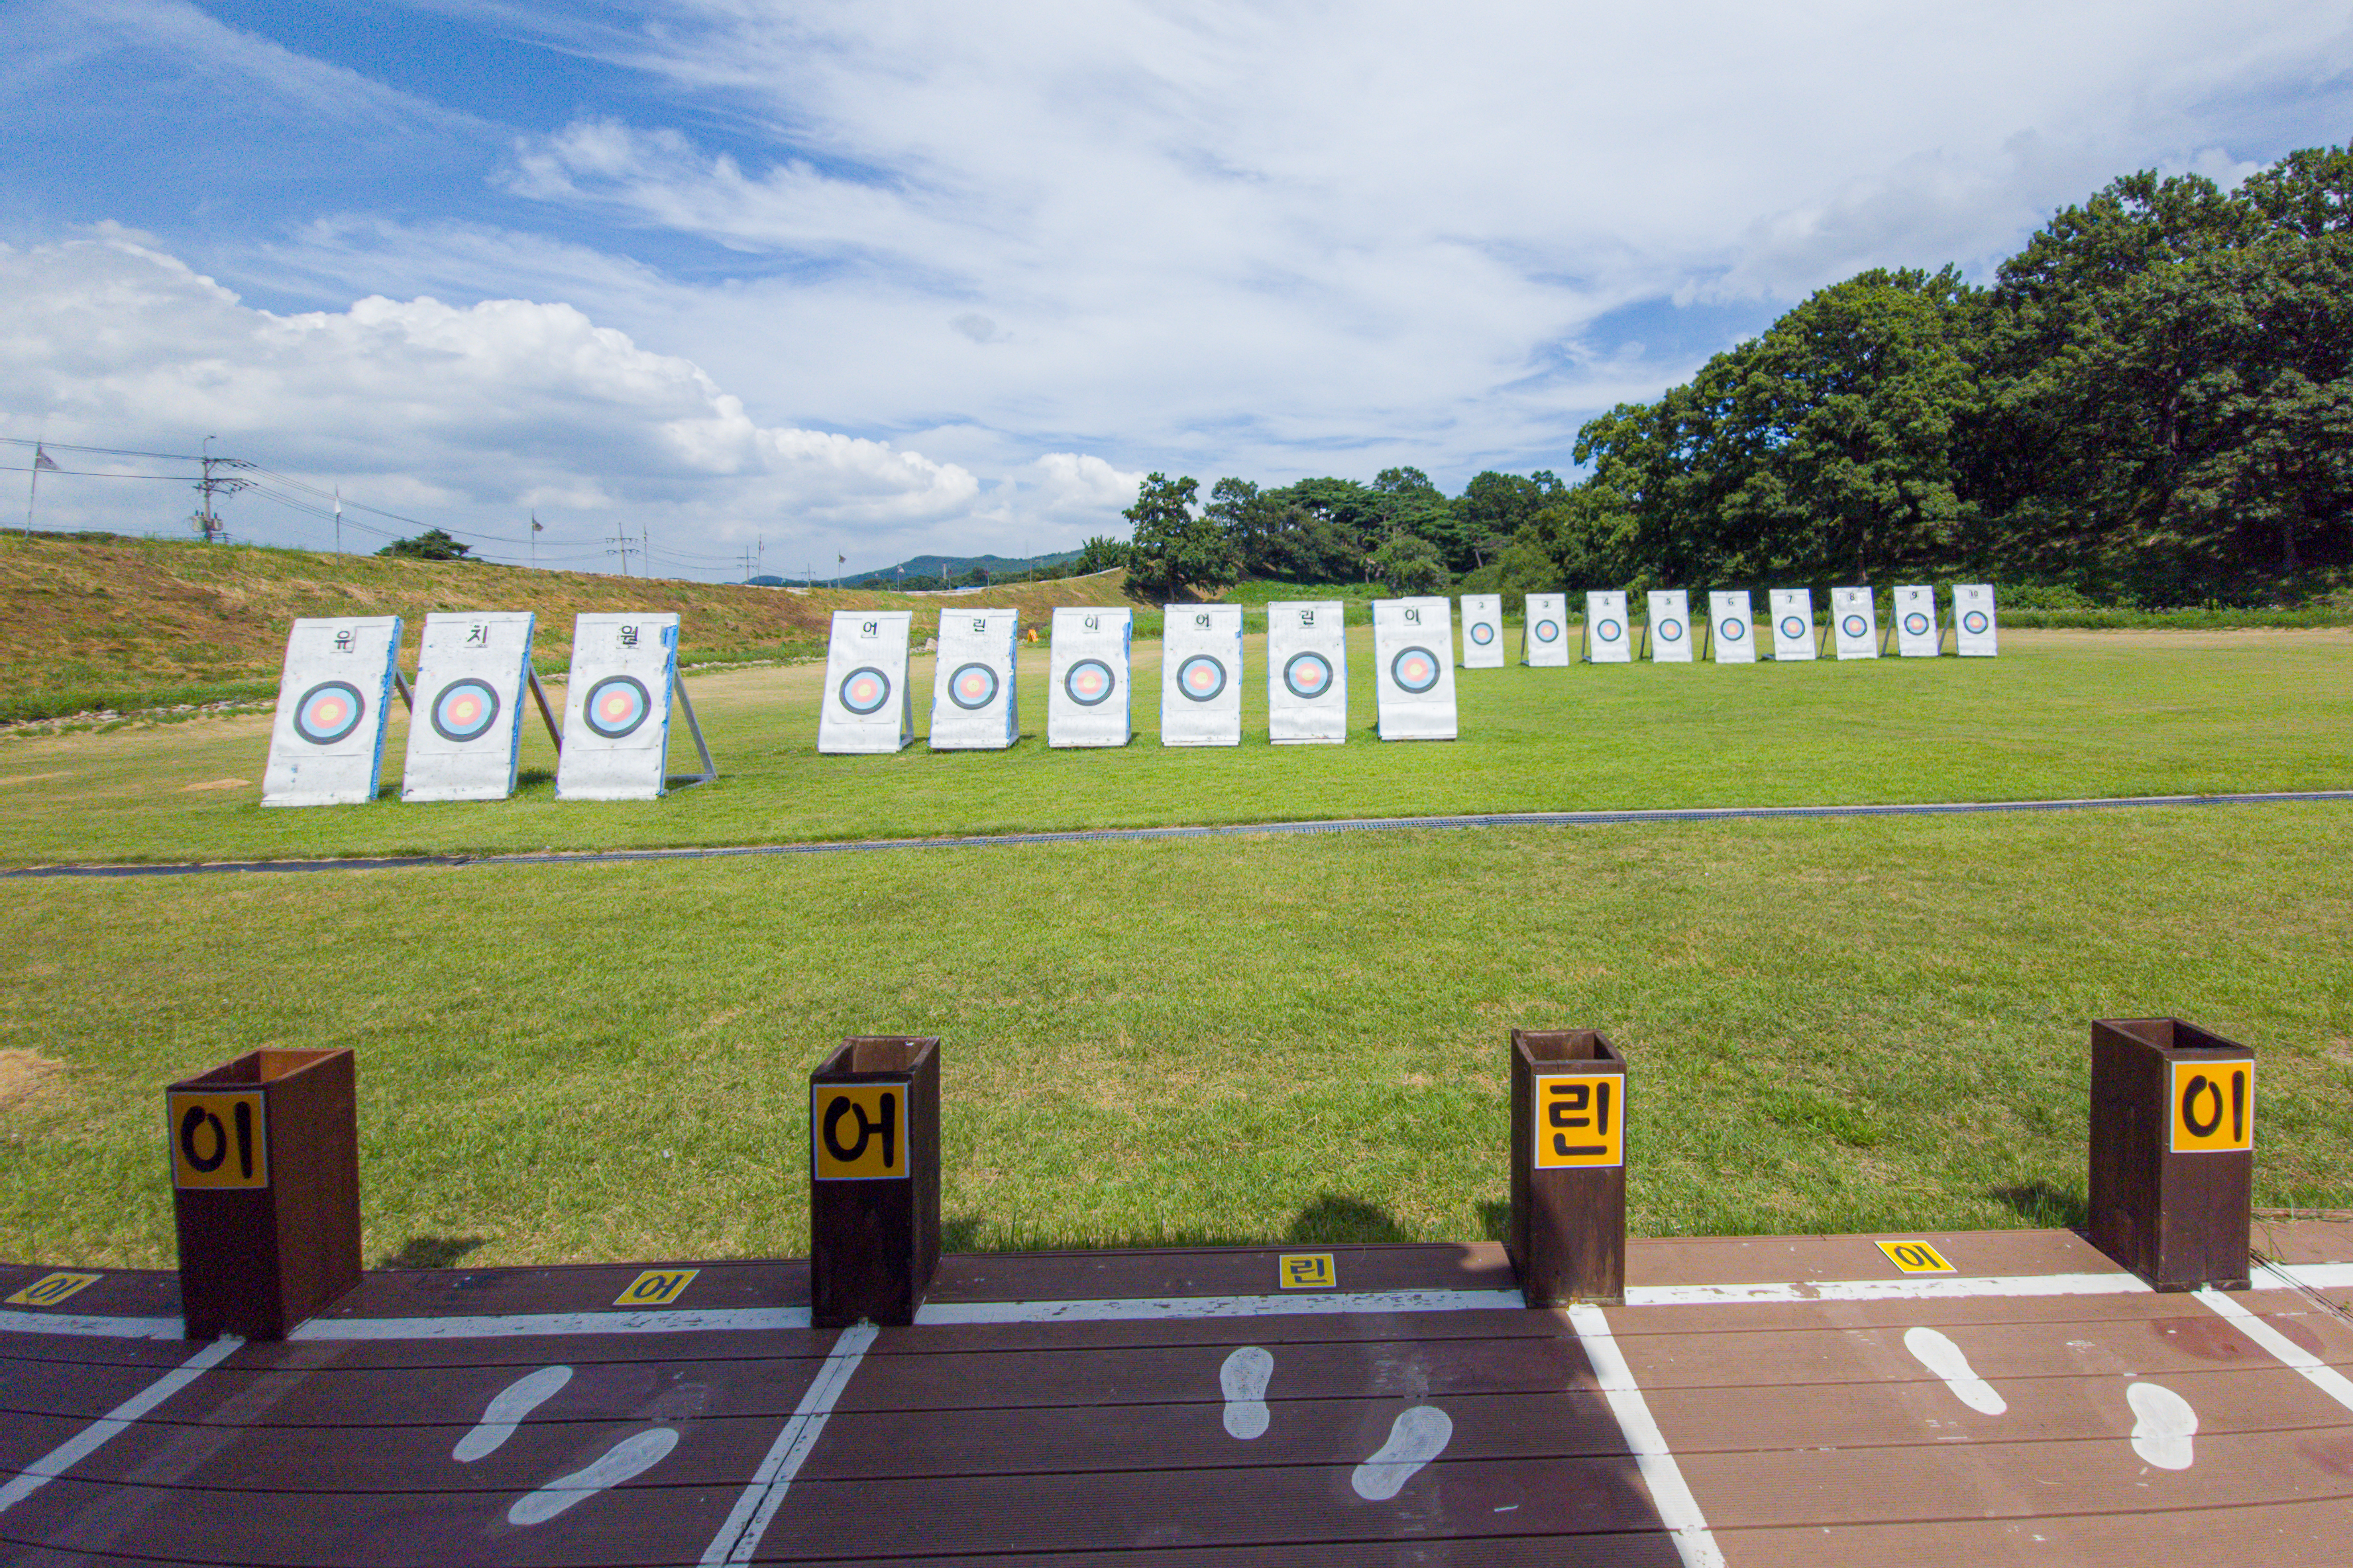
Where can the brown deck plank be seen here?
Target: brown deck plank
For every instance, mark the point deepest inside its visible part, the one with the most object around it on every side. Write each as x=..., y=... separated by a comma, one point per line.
x=2266, y=1535
x=571, y=1287
x=1514, y=1323
x=1212, y=1271
x=2304, y=1240
x=523, y=1350
x=65, y=1350
x=116, y=1293
x=82, y=1390
x=1768, y=1260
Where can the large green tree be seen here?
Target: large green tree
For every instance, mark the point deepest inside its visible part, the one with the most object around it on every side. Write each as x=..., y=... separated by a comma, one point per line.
x=1174, y=551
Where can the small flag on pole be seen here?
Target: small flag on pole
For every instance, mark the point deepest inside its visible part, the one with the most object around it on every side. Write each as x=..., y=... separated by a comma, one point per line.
x=42, y=459
x=537, y=526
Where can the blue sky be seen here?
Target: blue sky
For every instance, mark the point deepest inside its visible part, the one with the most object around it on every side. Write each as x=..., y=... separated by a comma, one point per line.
x=870, y=280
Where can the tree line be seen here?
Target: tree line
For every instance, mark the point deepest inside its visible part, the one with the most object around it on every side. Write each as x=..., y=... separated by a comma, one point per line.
x=2150, y=404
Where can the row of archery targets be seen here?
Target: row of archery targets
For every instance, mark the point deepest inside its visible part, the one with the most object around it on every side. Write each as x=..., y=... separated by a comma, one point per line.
x=869, y=698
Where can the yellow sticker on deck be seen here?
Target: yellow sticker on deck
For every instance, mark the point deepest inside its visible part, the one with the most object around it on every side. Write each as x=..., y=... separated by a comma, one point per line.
x=1305, y=1271
x=219, y=1139
x=2213, y=1106
x=858, y=1131
x=1581, y=1120
x=51, y=1288
x=657, y=1287
x=1916, y=1257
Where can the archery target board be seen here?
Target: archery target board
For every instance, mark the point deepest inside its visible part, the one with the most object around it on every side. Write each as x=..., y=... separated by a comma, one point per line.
x=1201, y=675
x=616, y=708
x=1793, y=622
x=1974, y=632
x=466, y=729
x=1609, y=634
x=1482, y=631
x=1670, y=632
x=1087, y=678
x=868, y=707
x=1544, y=630
x=1413, y=678
x=1306, y=672
x=974, y=705
x=1854, y=623
x=326, y=744
x=1916, y=635
x=1734, y=638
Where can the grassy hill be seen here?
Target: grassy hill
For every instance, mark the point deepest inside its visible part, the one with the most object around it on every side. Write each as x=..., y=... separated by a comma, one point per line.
x=104, y=621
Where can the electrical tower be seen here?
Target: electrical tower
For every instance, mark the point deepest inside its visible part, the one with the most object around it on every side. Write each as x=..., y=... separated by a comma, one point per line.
x=206, y=520
x=621, y=544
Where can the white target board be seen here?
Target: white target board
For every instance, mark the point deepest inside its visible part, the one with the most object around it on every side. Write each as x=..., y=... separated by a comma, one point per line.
x=326, y=745
x=1733, y=633
x=1974, y=632
x=1609, y=634
x=1201, y=675
x=467, y=729
x=1544, y=632
x=974, y=705
x=1854, y=623
x=868, y=707
x=1793, y=622
x=616, y=708
x=1087, y=681
x=1916, y=635
x=1306, y=672
x=1412, y=676
x=1482, y=631
x=1671, y=633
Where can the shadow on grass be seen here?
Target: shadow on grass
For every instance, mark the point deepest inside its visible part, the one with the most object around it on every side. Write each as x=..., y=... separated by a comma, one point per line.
x=2042, y=1204
x=432, y=1251
x=1330, y=1218
x=1495, y=1219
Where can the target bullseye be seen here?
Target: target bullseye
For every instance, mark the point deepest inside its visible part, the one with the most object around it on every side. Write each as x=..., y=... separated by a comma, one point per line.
x=329, y=711
x=1088, y=682
x=1415, y=669
x=1608, y=631
x=615, y=705
x=973, y=686
x=865, y=689
x=1792, y=627
x=465, y=710
x=1854, y=626
x=1307, y=675
x=1917, y=624
x=1200, y=677
x=1670, y=631
x=1482, y=633
x=1731, y=631
x=1547, y=631
x=1975, y=622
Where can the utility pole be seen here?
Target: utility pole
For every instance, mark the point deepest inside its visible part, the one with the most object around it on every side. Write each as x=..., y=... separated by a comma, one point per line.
x=620, y=545
x=339, y=516
x=208, y=521
x=534, y=536
x=40, y=460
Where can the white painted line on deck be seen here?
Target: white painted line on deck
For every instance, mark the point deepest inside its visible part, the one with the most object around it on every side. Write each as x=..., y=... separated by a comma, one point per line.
x=2311, y=1275
x=89, y=1324
x=2310, y=1367
x=740, y=1536
x=114, y=1423
x=1670, y=1493
x=515, y=1325
x=1909, y=1288
x=1156, y=1308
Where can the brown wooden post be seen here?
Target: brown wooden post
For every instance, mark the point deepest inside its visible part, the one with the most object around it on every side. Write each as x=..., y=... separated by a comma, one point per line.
x=265, y=1190
x=874, y=1180
x=2172, y=1151
x=1568, y=1167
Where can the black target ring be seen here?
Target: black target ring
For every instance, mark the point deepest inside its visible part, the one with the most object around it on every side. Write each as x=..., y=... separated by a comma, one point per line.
x=329, y=711
x=1670, y=631
x=1975, y=622
x=973, y=687
x=1608, y=631
x=1307, y=676
x=1415, y=669
x=864, y=690
x=1482, y=633
x=1201, y=677
x=1917, y=624
x=464, y=709
x=615, y=705
x=1731, y=630
x=1548, y=630
x=1090, y=682
x=1854, y=626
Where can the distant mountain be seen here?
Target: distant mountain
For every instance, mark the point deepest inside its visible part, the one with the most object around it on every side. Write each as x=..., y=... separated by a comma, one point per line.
x=949, y=567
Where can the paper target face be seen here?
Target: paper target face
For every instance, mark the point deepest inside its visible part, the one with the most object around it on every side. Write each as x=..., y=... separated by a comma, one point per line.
x=1415, y=669
x=329, y=711
x=1608, y=631
x=1090, y=682
x=1792, y=627
x=1854, y=626
x=615, y=705
x=865, y=689
x=1482, y=633
x=1731, y=630
x=1670, y=631
x=1547, y=631
x=1917, y=624
x=973, y=686
x=1307, y=675
x=1975, y=623
x=1200, y=677
x=465, y=710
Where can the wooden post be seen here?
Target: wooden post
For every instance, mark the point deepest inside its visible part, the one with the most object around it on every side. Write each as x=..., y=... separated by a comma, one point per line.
x=874, y=1180
x=265, y=1190
x=1568, y=1167
x=2172, y=1151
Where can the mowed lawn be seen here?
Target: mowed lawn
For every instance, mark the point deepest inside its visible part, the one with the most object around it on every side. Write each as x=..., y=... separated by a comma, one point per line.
x=2058, y=714
x=1833, y=1026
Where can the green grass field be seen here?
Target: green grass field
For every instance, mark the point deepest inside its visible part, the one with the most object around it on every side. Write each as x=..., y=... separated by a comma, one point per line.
x=1876, y=1023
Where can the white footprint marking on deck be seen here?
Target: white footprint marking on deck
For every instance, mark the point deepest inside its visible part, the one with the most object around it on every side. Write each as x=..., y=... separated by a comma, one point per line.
x=514, y=1402
x=1943, y=1357
x=1420, y=1435
x=2162, y=1426
x=630, y=1457
x=1244, y=1378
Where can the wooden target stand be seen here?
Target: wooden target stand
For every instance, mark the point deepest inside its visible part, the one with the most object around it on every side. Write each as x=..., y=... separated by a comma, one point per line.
x=1568, y=1396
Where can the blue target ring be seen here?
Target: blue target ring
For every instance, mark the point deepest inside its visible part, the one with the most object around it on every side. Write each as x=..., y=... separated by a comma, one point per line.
x=329, y=711
x=1307, y=675
x=1090, y=682
x=465, y=710
x=1792, y=627
x=1415, y=669
x=1608, y=631
x=1917, y=624
x=1975, y=622
x=865, y=689
x=1731, y=630
x=1482, y=633
x=1854, y=626
x=1547, y=631
x=1200, y=677
x=1670, y=631
x=973, y=686
x=615, y=705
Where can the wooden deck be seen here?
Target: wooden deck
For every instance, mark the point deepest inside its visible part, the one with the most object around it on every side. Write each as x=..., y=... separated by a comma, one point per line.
x=1760, y=1401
